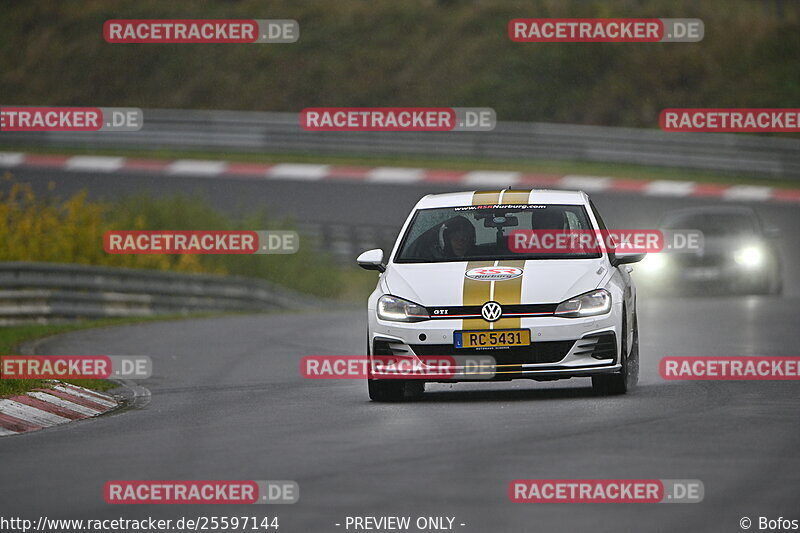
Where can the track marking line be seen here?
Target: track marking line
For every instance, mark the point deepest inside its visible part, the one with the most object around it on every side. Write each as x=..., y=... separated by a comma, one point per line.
x=11, y=159
x=585, y=183
x=298, y=171
x=399, y=175
x=748, y=193
x=93, y=163
x=193, y=167
x=491, y=178
x=669, y=188
x=395, y=175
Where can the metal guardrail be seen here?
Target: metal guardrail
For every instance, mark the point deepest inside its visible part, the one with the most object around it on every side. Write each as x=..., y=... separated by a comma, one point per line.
x=54, y=292
x=237, y=131
x=344, y=242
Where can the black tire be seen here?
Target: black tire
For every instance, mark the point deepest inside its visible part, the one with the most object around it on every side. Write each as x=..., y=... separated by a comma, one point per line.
x=764, y=286
x=771, y=283
x=386, y=390
x=633, y=356
x=627, y=378
x=394, y=390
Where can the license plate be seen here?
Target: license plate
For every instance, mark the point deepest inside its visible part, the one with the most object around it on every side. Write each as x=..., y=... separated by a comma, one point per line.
x=492, y=338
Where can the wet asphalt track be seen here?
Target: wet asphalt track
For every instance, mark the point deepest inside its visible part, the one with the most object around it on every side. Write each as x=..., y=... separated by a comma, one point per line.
x=228, y=403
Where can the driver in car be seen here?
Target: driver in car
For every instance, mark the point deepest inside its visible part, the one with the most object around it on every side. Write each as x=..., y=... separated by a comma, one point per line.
x=459, y=237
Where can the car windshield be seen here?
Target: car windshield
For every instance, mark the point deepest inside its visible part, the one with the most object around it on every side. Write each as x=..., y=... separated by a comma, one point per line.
x=481, y=233
x=714, y=224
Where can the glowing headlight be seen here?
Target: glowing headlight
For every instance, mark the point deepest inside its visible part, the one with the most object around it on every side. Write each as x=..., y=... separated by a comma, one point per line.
x=749, y=256
x=399, y=310
x=590, y=304
x=653, y=263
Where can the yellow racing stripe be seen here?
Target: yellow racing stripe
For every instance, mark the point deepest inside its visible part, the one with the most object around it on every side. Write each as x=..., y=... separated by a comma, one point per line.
x=513, y=196
x=485, y=197
x=476, y=293
x=508, y=292
x=505, y=292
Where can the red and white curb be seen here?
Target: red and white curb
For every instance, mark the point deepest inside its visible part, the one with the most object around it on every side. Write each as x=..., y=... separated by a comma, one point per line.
x=398, y=175
x=43, y=408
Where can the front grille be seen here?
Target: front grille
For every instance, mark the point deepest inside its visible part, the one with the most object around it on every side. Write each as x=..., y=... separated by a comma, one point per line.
x=474, y=311
x=695, y=260
x=599, y=346
x=389, y=347
x=537, y=352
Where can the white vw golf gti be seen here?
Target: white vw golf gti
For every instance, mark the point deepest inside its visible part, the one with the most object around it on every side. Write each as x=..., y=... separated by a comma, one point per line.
x=454, y=287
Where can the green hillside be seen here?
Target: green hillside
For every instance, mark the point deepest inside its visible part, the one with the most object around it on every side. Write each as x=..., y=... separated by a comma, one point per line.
x=406, y=53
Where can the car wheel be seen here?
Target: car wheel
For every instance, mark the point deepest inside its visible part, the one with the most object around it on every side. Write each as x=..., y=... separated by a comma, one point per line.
x=633, y=356
x=763, y=286
x=770, y=284
x=394, y=390
x=628, y=377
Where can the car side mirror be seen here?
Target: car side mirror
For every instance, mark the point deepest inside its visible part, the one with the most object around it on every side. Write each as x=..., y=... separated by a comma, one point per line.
x=372, y=260
x=625, y=258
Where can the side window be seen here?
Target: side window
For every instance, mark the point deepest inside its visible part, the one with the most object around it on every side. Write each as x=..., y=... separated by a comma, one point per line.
x=423, y=221
x=602, y=226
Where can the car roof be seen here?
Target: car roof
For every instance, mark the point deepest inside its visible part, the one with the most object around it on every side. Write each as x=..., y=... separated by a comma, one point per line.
x=535, y=196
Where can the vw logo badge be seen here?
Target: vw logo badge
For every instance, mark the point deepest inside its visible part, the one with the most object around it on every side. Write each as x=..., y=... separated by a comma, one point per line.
x=491, y=311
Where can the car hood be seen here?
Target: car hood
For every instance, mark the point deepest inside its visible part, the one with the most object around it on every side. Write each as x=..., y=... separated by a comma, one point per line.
x=543, y=281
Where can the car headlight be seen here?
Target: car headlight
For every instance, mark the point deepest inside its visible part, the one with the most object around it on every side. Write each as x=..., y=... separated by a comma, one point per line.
x=399, y=310
x=749, y=256
x=653, y=263
x=590, y=304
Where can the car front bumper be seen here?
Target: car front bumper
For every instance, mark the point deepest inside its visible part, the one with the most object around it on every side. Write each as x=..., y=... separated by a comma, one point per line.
x=560, y=348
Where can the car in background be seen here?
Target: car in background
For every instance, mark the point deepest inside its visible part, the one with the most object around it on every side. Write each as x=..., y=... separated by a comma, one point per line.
x=738, y=256
x=452, y=287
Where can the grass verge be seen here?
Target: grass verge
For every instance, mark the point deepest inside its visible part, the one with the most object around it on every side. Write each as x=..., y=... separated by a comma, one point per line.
x=41, y=226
